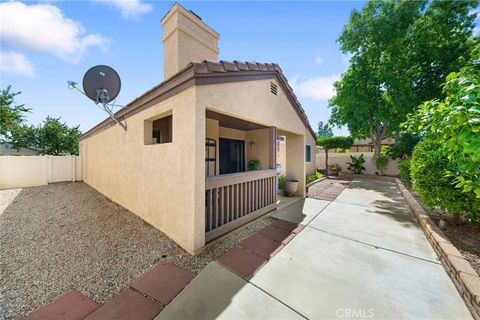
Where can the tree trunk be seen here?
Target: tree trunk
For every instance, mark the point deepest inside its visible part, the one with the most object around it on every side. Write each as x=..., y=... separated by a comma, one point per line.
x=326, y=163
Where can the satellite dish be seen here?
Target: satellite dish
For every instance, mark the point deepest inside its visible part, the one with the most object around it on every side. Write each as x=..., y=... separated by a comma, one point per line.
x=102, y=85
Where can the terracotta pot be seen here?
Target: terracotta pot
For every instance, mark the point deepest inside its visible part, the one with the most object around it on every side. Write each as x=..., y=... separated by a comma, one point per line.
x=291, y=187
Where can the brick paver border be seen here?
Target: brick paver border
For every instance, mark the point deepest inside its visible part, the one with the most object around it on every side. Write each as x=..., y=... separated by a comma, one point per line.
x=458, y=268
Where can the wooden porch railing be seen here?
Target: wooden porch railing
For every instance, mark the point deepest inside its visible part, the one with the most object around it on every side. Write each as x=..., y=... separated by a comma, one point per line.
x=234, y=199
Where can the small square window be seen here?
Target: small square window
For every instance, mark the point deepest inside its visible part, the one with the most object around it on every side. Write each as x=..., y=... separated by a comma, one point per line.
x=308, y=153
x=162, y=130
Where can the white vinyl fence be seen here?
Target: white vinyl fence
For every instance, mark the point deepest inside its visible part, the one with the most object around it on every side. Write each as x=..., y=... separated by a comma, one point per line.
x=343, y=158
x=30, y=171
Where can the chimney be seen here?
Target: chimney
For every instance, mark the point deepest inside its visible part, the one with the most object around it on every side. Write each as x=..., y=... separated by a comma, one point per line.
x=186, y=38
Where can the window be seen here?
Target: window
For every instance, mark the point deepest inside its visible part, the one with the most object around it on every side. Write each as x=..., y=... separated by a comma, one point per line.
x=162, y=130
x=308, y=153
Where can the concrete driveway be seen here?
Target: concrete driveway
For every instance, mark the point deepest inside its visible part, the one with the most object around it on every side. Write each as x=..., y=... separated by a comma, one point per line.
x=360, y=256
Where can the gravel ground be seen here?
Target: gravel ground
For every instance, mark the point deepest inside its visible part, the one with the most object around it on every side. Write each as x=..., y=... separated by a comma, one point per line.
x=318, y=187
x=67, y=235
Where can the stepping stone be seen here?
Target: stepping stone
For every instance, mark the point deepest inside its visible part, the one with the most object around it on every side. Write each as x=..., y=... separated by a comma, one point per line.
x=163, y=282
x=71, y=306
x=127, y=305
x=288, y=226
x=277, y=234
x=241, y=262
x=261, y=246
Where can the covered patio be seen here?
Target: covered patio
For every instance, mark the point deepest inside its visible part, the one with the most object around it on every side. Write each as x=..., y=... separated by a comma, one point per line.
x=236, y=192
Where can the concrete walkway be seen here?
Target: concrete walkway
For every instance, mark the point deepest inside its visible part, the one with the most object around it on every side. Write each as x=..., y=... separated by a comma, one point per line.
x=361, y=255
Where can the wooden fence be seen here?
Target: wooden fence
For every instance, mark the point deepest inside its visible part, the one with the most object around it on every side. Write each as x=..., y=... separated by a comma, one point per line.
x=234, y=199
x=31, y=171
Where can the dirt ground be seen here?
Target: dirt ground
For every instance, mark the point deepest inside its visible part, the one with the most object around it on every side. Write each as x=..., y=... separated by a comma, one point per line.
x=67, y=235
x=465, y=237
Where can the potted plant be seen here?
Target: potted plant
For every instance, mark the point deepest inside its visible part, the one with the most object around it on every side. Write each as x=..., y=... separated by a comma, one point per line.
x=291, y=186
x=334, y=169
x=254, y=165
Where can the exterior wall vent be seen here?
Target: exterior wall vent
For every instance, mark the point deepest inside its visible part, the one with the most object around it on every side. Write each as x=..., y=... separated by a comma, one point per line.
x=273, y=88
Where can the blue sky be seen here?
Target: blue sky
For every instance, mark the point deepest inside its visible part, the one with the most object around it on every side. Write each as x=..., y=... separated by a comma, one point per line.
x=38, y=57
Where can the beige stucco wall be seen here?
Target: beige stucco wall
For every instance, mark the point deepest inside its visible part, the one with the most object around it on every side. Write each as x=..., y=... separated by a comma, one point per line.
x=257, y=147
x=310, y=167
x=161, y=183
x=252, y=101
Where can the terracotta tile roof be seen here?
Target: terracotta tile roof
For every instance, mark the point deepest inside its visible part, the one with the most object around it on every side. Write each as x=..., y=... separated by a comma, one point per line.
x=207, y=72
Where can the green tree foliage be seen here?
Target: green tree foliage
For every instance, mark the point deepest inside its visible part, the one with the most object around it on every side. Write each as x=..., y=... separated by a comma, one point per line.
x=404, y=144
x=12, y=115
x=452, y=126
x=400, y=53
x=328, y=143
x=56, y=138
x=324, y=130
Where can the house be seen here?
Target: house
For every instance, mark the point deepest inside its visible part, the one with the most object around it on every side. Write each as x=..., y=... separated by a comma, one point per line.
x=182, y=163
x=6, y=149
x=367, y=145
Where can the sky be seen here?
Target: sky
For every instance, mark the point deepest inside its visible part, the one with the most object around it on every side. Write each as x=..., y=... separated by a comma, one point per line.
x=45, y=43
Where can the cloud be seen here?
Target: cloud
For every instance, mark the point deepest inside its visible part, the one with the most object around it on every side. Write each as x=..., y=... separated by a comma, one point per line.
x=16, y=63
x=130, y=9
x=319, y=88
x=43, y=27
x=319, y=60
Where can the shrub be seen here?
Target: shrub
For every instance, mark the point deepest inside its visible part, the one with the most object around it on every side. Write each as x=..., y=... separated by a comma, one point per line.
x=312, y=177
x=381, y=162
x=404, y=167
x=254, y=165
x=281, y=182
x=335, y=167
x=428, y=165
x=452, y=126
x=356, y=166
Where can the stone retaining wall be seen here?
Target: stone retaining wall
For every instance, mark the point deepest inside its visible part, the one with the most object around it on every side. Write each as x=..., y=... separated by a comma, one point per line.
x=460, y=271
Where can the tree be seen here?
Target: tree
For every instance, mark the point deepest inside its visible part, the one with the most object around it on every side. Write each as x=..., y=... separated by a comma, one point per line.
x=12, y=115
x=393, y=66
x=404, y=144
x=324, y=130
x=56, y=138
x=328, y=143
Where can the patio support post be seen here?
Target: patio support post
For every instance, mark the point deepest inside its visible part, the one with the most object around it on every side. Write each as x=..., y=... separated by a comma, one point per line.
x=272, y=152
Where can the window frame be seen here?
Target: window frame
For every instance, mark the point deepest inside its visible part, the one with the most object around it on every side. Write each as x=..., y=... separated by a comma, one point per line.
x=309, y=153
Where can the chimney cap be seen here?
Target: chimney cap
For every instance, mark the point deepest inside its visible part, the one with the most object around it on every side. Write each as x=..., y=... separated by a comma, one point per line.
x=177, y=7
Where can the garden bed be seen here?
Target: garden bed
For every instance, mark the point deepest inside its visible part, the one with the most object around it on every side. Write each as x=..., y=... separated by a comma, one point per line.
x=465, y=236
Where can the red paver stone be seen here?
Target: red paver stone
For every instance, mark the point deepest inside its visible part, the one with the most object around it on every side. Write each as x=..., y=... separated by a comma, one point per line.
x=288, y=226
x=128, y=305
x=71, y=306
x=163, y=282
x=261, y=246
x=241, y=262
x=275, y=234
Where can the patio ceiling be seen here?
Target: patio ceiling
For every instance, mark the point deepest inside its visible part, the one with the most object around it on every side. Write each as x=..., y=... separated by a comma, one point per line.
x=232, y=122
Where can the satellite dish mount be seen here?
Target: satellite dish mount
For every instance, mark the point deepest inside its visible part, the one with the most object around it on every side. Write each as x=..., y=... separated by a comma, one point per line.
x=102, y=84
